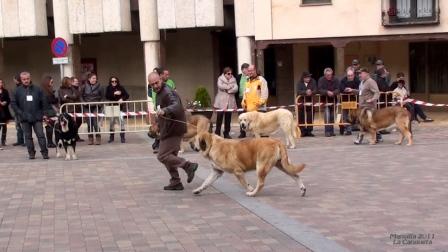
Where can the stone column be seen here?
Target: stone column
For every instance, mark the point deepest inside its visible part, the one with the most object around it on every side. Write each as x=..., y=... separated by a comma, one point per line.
x=339, y=70
x=150, y=36
x=244, y=30
x=62, y=30
x=244, y=47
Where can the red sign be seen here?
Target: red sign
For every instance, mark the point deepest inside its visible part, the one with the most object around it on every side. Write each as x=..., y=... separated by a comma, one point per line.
x=59, y=47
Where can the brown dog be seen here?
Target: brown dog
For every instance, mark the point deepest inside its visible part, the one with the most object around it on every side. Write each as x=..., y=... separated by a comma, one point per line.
x=238, y=157
x=195, y=124
x=381, y=119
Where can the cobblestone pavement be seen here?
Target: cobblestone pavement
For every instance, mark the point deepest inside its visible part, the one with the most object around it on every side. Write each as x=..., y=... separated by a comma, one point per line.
x=111, y=199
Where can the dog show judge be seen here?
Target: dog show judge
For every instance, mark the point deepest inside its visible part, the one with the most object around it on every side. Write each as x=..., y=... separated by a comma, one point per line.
x=368, y=95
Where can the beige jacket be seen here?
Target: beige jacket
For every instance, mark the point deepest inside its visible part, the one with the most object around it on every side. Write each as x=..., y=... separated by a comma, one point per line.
x=368, y=89
x=225, y=97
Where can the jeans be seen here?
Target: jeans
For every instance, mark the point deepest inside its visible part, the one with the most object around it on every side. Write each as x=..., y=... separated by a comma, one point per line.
x=39, y=131
x=113, y=120
x=345, y=112
x=20, y=138
x=329, y=118
x=92, y=122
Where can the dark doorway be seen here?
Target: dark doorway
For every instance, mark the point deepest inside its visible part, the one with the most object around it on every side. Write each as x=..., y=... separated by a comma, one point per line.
x=319, y=58
x=269, y=70
x=428, y=67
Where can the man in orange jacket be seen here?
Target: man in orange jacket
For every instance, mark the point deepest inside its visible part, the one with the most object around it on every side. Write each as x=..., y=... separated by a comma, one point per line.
x=256, y=91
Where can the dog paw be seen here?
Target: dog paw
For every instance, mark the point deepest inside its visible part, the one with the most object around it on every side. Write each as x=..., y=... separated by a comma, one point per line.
x=409, y=145
x=58, y=155
x=250, y=188
x=398, y=143
x=292, y=147
x=75, y=157
x=197, y=191
x=250, y=194
x=181, y=151
x=67, y=158
x=372, y=143
x=303, y=192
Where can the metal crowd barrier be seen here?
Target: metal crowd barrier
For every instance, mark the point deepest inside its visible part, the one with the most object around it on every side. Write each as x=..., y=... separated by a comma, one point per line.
x=132, y=116
x=339, y=104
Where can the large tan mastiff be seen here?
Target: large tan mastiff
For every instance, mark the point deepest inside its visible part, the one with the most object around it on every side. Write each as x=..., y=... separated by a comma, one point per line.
x=238, y=157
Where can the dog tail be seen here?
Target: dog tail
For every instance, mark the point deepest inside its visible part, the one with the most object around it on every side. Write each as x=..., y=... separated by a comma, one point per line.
x=286, y=162
x=294, y=128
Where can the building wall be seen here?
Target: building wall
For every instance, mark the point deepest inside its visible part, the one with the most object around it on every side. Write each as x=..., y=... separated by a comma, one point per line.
x=286, y=19
x=189, y=57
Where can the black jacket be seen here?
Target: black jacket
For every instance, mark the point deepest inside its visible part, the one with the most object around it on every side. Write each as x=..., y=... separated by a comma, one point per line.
x=91, y=93
x=112, y=97
x=168, y=100
x=323, y=85
x=345, y=83
x=69, y=95
x=5, y=115
x=29, y=103
x=301, y=90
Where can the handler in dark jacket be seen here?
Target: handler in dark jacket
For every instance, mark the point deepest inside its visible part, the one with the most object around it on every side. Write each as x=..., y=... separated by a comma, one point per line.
x=116, y=92
x=307, y=88
x=169, y=112
x=328, y=87
x=30, y=105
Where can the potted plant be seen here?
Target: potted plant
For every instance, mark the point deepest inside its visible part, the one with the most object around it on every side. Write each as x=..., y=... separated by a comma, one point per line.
x=201, y=101
x=392, y=13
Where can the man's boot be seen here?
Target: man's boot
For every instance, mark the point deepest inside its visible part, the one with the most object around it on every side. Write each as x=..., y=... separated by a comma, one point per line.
x=3, y=139
x=359, y=140
x=112, y=137
x=242, y=134
x=90, y=140
x=98, y=139
x=123, y=140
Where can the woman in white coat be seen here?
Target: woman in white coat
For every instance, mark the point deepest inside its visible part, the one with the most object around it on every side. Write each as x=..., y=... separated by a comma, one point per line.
x=225, y=99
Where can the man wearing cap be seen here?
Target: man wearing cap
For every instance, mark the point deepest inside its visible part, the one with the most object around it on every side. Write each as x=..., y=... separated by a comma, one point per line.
x=380, y=65
x=306, y=88
x=368, y=95
x=356, y=66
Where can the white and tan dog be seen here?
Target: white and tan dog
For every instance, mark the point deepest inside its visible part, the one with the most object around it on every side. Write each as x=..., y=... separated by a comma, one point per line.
x=270, y=122
x=238, y=157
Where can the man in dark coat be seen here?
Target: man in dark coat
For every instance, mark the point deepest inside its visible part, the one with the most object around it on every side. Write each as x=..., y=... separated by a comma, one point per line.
x=306, y=88
x=31, y=107
x=172, y=124
x=20, y=135
x=328, y=87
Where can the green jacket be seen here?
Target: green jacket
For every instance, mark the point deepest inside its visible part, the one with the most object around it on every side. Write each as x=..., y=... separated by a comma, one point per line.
x=169, y=83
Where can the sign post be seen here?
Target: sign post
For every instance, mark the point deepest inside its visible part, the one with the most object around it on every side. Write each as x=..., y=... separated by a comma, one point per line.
x=59, y=49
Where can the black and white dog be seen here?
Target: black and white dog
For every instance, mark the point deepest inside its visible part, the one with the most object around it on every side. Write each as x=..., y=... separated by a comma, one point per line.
x=65, y=132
